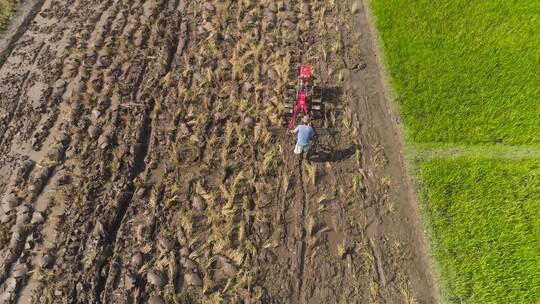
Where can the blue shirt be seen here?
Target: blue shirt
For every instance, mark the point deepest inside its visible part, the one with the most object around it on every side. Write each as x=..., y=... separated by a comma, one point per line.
x=304, y=134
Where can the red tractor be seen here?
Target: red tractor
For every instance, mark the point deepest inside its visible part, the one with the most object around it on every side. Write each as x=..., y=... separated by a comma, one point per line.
x=308, y=98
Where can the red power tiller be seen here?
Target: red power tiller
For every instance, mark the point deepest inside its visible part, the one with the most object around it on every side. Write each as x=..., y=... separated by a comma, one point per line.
x=308, y=98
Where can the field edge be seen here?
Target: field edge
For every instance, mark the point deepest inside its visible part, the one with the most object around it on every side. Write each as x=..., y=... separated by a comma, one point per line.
x=11, y=29
x=414, y=190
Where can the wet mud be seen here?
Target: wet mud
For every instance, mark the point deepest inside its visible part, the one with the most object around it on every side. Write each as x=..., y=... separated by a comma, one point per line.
x=137, y=165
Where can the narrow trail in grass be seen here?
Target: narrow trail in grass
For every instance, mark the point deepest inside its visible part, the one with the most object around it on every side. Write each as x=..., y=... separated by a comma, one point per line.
x=477, y=151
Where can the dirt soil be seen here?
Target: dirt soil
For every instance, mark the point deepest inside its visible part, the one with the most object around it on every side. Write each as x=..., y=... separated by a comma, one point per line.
x=137, y=165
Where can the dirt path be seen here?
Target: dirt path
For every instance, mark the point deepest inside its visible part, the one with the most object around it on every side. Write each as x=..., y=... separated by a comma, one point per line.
x=136, y=163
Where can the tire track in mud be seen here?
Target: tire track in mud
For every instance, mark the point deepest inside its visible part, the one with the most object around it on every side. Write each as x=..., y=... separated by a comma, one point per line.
x=11, y=113
x=144, y=139
x=54, y=126
x=172, y=51
x=45, y=178
x=301, y=250
x=48, y=95
x=298, y=224
x=139, y=161
x=37, y=182
x=143, y=142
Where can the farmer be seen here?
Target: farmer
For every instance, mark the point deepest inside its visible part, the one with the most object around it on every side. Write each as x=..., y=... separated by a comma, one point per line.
x=304, y=135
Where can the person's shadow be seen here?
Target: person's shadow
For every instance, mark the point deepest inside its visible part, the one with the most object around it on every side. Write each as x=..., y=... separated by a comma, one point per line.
x=324, y=154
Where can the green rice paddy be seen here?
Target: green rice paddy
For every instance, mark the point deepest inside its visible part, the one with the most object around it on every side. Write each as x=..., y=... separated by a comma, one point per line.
x=465, y=75
x=485, y=224
x=464, y=71
x=6, y=9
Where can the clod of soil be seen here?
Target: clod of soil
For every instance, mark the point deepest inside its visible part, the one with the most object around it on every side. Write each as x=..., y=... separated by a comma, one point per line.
x=19, y=271
x=272, y=74
x=95, y=114
x=130, y=281
x=209, y=7
x=9, y=203
x=183, y=129
x=45, y=261
x=137, y=260
x=248, y=121
x=289, y=24
x=198, y=203
x=193, y=279
x=16, y=237
x=94, y=132
x=22, y=209
x=64, y=179
x=22, y=218
x=181, y=237
x=99, y=230
x=37, y=218
x=156, y=278
x=103, y=141
x=184, y=252
x=11, y=284
x=224, y=65
x=188, y=263
x=247, y=87
x=272, y=7
x=360, y=65
x=262, y=228
x=228, y=268
x=156, y=300
x=8, y=294
x=166, y=243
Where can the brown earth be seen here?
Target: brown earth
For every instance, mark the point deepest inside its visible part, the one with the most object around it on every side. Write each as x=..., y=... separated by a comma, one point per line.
x=137, y=166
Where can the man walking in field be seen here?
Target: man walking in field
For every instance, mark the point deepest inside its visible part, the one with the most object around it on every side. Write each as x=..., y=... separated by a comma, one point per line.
x=304, y=135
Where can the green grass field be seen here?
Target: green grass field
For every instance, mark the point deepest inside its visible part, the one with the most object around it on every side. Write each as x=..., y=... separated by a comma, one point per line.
x=464, y=71
x=485, y=224
x=465, y=75
x=6, y=9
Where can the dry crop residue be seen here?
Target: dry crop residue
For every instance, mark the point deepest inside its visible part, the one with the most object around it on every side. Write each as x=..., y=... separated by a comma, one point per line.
x=136, y=164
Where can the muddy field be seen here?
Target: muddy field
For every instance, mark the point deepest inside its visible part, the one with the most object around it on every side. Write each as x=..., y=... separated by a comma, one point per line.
x=137, y=165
